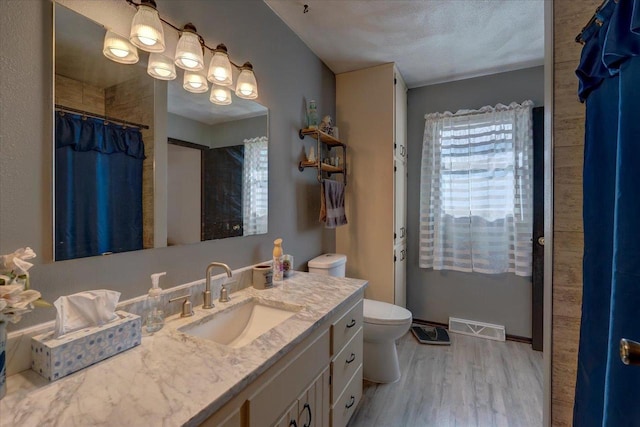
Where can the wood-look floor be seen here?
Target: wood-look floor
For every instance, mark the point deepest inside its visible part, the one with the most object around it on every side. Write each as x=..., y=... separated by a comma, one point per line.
x=473, y=382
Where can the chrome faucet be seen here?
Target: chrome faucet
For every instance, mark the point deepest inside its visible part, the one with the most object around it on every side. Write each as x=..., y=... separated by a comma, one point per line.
x=207, y=289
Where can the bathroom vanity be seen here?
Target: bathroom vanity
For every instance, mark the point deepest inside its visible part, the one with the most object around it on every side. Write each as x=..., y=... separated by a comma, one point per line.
x=306, y=370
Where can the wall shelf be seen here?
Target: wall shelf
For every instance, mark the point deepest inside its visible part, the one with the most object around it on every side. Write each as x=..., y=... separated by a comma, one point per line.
x=329, y=142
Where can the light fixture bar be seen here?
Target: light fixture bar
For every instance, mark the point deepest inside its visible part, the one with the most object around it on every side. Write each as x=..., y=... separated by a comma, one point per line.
x=189, y=55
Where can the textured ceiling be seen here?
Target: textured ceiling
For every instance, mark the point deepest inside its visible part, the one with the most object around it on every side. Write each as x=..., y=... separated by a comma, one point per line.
x=431, y=41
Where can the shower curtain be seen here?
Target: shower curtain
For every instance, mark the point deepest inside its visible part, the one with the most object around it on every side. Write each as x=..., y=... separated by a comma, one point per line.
x=98, y=187
x=609, y=74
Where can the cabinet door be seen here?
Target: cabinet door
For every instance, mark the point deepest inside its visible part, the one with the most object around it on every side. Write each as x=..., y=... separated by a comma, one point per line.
x=400, y=279
x=313, y=404
x=400, y=202
x=290, y=417
x=400, y=118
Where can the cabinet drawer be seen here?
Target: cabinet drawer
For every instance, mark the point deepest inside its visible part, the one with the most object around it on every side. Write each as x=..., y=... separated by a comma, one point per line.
x=346, y=327
x=265, y=406
x=345, y=364
x=346, y=404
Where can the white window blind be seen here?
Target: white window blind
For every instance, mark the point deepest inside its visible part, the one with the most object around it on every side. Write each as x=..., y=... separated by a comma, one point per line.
x=476, y=190
x=255, y=191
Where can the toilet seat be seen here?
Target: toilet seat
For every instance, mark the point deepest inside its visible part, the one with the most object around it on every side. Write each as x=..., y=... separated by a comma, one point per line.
x=382, y=313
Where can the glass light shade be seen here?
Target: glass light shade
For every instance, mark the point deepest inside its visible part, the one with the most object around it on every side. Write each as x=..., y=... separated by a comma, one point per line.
x=247, y=87
x=195, y=82
x=160, y=67
x=220, y=95
x=189, y=52
x=119, y=49
x=220, y=69
x=146, y=30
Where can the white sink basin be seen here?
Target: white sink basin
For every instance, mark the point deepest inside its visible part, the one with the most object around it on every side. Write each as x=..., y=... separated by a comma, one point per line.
x=241, y=323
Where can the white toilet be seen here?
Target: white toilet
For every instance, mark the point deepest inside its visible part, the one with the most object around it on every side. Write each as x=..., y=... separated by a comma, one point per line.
x=384, y=323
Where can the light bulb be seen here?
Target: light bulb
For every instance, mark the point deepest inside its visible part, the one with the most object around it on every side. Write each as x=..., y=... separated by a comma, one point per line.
x=220, y=67
x=189, y=51
x=161, y=71
x=220, y=74
x=247, y=86
x=161, y=67
x=220, y=95
x=246, y=89
x=118, y=49
x=146, y=35
x=195, y=82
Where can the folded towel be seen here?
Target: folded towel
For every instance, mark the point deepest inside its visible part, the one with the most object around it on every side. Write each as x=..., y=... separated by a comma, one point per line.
x=332, y=211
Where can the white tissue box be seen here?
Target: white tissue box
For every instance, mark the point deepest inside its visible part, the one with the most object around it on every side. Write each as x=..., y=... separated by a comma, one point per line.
x=54, y=358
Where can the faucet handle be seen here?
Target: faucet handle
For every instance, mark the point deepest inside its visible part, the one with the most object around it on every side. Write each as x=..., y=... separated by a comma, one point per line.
x=224, y=294
x=187, y=310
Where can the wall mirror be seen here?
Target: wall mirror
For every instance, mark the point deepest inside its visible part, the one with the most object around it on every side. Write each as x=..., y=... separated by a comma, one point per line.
x=141, y=163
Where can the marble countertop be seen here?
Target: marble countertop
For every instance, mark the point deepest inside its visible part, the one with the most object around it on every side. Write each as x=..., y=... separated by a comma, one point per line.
x=174, y=379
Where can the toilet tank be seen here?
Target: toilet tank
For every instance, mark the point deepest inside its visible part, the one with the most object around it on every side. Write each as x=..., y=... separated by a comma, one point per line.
x=329, y=264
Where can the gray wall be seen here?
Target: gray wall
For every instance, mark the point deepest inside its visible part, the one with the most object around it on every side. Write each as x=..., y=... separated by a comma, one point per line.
x=219, y=135
x=235, y=132
x=287, y=72
x=504, y=299
x=189, y=130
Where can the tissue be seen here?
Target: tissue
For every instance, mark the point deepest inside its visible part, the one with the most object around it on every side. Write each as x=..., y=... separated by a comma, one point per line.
x=85, y=309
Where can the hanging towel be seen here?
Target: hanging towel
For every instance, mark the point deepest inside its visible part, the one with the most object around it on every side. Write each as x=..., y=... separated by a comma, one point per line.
x=332, y=204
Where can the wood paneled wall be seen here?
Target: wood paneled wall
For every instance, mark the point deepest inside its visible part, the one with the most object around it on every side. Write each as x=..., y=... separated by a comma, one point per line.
x=568, y=137
x=79, y=95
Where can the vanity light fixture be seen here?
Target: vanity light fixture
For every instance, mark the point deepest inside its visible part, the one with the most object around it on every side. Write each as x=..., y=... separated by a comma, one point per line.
x=147, y=34
x=247, y=87
x=146, y=28
x=195, y=82
x=220, y=95
x=220, y=67
x=189, y=50
x=160, y=67
x=119, y=49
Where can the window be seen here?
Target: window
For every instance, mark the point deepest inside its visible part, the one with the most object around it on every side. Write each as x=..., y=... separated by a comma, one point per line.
x=255, y=186
x=477, y=189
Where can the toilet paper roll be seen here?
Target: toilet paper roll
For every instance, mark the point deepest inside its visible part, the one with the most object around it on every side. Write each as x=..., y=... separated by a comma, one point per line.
x=262, y=277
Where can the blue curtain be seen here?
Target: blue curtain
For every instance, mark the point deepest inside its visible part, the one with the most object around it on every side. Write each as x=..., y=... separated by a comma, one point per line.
x=98, y=187
x=609, y=75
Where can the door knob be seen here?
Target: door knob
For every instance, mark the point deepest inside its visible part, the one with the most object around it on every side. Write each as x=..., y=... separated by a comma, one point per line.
x=629, y=352
x=541, y=241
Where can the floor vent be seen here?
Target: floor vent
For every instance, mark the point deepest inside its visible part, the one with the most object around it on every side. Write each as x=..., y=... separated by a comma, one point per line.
x=476, y=329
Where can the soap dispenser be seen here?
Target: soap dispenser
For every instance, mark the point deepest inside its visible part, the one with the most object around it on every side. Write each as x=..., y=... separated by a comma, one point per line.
x=277, y=260
x=155, y=315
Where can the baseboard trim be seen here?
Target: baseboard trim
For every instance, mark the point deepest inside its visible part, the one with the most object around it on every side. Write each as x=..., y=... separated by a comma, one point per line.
x=515, y=338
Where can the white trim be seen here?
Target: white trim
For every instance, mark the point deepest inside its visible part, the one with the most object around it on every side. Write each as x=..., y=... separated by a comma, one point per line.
x=548, y=211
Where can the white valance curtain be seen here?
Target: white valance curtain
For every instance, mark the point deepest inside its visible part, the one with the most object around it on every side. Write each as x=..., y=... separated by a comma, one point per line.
x=476, y=190
x=255, y=185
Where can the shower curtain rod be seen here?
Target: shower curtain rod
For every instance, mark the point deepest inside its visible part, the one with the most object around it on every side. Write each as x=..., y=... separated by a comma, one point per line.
x=99, y=116
x=593, y=19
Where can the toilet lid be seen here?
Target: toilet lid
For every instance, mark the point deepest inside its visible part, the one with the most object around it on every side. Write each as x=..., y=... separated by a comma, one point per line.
x=382, y=313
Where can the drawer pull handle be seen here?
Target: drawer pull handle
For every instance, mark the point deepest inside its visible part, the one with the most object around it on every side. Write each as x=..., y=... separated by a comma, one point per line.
x=308, y=408
x=351, y=358
x=351, y=402
x=293, y=423
x=352, y=323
